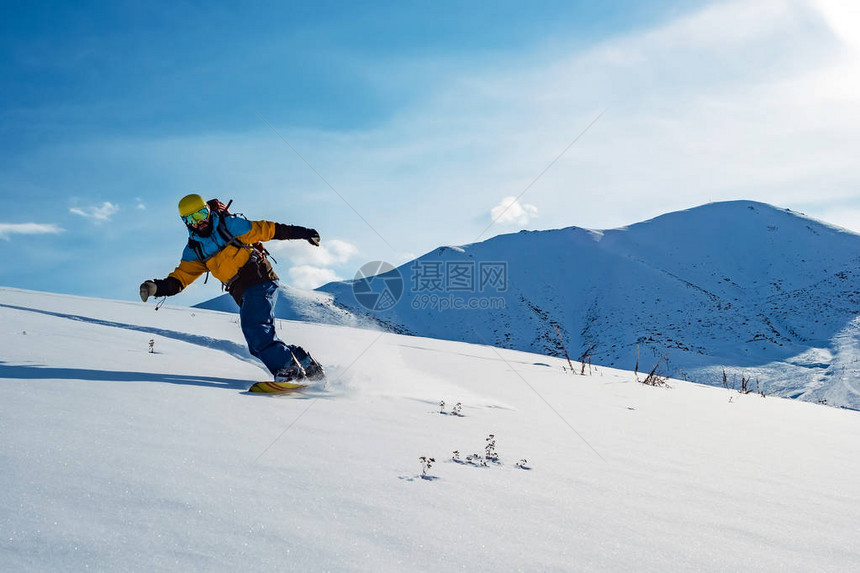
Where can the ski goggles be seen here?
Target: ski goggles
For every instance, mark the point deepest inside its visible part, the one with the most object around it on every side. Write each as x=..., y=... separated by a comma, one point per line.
x=196, y=217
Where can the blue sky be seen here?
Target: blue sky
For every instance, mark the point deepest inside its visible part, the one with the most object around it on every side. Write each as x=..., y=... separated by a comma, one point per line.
x=426, y=119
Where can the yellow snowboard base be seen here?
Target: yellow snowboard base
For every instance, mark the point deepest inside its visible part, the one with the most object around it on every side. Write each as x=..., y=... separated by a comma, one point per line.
x=270, y=387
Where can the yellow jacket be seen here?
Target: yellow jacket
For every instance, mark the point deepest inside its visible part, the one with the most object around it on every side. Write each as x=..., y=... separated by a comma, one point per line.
x=219, y=257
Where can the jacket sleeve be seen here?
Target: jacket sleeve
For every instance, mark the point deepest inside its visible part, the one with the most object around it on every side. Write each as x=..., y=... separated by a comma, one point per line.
x=291, y=232
x=260, y=231
x=186, y=273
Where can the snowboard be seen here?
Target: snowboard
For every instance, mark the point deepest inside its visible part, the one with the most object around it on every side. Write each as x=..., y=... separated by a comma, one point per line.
x=270, y=387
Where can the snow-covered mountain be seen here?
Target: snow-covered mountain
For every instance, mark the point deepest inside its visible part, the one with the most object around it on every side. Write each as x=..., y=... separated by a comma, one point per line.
x=115, y=458
x=760, y=292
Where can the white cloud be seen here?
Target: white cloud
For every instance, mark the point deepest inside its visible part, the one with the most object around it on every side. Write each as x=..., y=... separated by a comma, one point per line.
x=329, y=253
x=844, y=17
x=510, y=210
x=8, y=229
x=101, y=213
x=311, y=265
x=311, y=277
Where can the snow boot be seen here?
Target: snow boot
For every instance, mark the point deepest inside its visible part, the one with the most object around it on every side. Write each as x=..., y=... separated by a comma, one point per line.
x=290, y=373
x=313, y=369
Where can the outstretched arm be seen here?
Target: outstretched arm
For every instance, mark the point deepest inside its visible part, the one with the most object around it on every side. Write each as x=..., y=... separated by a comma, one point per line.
x=295, y=232
x=185, y=274
x=266, y=231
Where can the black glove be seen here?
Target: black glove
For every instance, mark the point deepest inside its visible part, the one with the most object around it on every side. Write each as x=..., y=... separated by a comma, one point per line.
x=217, y=206
x=284, y=232
x=313, y=237
x=147, y=289
x=160, y=287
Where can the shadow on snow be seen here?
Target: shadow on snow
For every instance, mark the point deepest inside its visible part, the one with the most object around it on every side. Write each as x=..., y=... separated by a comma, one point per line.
x=20, y=372
x=228, y=346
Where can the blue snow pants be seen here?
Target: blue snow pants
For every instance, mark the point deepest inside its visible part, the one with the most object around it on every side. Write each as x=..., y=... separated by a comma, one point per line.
x=258, y=325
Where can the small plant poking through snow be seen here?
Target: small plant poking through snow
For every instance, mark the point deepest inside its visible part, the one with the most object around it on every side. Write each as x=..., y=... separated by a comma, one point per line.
x=484, y=460
x=745, y=384
x=522, y=464
x=477, y=459
x=655, y=378
x=426, y=464
x=585, y=359
x=490, y=449
x=636, y=366
x=563, y=347
x=455, y=411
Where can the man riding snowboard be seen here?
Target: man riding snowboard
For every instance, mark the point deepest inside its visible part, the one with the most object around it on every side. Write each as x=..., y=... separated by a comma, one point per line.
x=229, y=246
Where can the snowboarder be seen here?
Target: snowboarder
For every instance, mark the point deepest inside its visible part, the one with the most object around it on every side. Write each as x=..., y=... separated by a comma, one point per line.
x=230, y=247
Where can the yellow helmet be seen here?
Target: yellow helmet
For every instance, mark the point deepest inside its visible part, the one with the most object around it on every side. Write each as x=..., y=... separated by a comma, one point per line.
x=191, y=204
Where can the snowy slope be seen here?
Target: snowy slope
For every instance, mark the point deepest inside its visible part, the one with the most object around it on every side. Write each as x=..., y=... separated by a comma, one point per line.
x=116, y=459
x=765, y=293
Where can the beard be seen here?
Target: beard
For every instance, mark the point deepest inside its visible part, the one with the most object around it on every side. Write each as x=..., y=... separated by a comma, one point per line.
x=203, y=229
